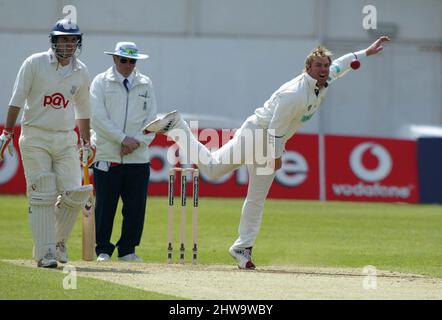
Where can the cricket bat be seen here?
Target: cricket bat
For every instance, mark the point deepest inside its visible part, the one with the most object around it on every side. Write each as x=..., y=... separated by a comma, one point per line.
x=88, y=218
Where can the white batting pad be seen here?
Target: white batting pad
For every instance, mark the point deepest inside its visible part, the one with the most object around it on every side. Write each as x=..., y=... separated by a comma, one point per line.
x=42, y=196
x=42, y=192
x=69, y=203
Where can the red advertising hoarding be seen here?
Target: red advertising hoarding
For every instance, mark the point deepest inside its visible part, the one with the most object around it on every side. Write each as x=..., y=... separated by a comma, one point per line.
x=371, y=169
x=357, y=169
x=297, y=179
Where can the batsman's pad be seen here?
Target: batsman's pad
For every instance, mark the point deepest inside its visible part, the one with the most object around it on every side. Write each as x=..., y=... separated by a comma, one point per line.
x=69, y=203
x=43, y=191
x=42, y=197
x=74, y=199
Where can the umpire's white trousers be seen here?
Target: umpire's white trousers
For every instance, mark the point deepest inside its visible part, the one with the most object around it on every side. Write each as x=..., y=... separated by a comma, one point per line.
x=213, y=165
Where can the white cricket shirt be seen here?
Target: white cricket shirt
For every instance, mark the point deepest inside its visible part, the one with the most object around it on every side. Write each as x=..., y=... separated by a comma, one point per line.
x=296, y=101
x=52, y=96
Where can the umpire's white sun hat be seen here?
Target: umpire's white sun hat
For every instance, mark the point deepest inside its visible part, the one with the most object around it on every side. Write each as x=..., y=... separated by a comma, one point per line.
x=127, y=50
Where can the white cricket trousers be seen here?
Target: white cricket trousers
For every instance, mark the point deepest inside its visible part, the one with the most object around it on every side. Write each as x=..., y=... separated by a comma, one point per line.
x=214, y=165
x=51, y=165
x=51, y=151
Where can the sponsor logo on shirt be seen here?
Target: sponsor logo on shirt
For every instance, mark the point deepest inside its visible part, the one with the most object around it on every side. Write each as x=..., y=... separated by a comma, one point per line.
x=56, y=101
x=335, y=68
x=306, y=117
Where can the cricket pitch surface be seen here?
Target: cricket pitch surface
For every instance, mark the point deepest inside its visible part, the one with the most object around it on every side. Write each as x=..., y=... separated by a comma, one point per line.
x=223, y=282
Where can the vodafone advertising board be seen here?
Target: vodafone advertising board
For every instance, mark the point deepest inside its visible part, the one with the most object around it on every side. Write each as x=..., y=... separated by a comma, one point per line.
x=357, y=169
x=371, y=169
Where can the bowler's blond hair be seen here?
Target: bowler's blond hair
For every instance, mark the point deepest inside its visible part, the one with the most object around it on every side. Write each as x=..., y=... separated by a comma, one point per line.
x=319, y=51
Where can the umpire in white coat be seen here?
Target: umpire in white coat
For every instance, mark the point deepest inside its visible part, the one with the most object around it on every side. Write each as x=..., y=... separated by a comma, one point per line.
x=122, y=101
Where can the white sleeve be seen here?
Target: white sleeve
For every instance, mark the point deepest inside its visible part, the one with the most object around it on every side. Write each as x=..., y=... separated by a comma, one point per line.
x=82, y=101
x=101, y=122
x=22, y=85
x=286, y=105
x=284, y=111
x=341, y=66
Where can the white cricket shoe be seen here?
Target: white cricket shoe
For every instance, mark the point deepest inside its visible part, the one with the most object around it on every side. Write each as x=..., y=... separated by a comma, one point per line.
x=244, y=257
x=103, y=257
x=48, y=261
x=130, y=257
x=163, y=124
x=61, y=252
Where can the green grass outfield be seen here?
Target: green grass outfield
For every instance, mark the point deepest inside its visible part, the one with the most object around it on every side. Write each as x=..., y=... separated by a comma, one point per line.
x=395, y=237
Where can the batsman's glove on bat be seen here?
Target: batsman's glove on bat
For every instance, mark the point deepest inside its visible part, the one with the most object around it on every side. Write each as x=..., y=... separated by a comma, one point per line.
x=6, y=142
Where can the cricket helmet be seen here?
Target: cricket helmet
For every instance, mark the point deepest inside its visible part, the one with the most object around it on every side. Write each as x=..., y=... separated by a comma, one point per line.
x=65, y=27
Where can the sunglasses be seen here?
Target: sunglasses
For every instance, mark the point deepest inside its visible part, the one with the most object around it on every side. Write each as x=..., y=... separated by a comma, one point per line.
x=125, y=60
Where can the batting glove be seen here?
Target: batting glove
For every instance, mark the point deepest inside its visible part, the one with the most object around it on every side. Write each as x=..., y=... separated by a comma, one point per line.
x=5, y=142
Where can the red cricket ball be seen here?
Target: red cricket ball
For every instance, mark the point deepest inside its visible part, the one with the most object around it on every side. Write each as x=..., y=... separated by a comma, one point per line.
x=355, y=64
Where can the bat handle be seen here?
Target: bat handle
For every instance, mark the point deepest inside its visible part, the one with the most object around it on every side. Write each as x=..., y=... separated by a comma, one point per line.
x=84, y=160
x=86, y=179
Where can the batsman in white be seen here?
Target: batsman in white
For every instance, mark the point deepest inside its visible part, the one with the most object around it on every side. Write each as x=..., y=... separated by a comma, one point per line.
x=52, y=88
x=294, y=103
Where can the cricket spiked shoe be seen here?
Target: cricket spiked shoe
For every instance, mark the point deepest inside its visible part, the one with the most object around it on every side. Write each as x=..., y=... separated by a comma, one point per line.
x=48, y=261
x=244, y=257
x=163, y=124
x=61, y=252
x=130, y=257
x=102, y=257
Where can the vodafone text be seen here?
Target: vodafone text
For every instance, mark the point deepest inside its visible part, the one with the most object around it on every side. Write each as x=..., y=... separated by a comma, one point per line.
x=372, y=190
